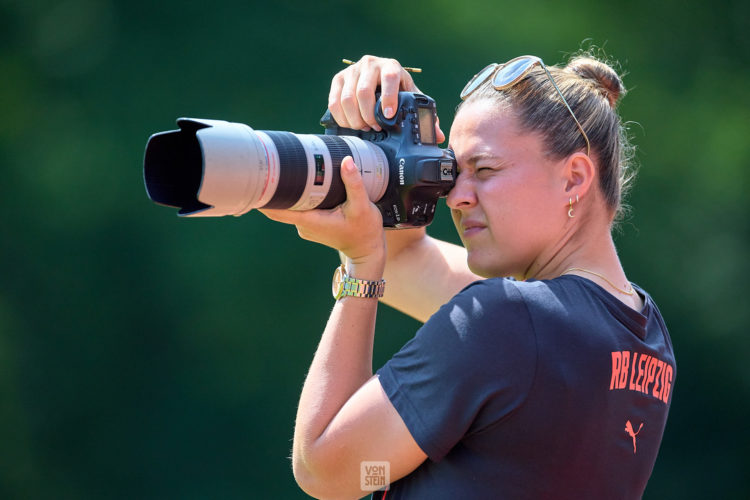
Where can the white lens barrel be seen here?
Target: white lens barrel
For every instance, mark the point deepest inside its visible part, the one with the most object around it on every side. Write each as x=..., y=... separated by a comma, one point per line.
x=235, y=168
x=373, y=165
x=316, y=153
x=245, y=169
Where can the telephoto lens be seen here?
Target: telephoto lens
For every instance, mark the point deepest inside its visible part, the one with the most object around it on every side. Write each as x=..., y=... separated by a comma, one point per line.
x=212, y=168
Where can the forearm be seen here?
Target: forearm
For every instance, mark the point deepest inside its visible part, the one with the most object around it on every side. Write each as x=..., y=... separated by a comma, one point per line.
x=422, y=272
x=341, y=365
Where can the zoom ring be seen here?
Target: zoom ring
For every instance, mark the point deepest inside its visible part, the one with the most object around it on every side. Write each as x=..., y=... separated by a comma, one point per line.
x=292, y=172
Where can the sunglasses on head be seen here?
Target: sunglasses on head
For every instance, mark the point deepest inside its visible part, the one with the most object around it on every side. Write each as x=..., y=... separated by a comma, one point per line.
x=506, y=75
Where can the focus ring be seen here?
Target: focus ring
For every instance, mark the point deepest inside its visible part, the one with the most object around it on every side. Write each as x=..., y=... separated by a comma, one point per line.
x=339, y=150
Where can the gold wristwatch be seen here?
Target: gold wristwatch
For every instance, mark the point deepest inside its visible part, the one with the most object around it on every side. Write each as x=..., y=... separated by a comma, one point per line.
x=344, y=285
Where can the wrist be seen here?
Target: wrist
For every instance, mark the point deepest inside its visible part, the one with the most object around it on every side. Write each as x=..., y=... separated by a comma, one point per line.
x=370, y=268
x=345, y=284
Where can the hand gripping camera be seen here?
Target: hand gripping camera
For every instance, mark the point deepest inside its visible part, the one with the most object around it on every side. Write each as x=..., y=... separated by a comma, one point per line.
x=212, y=168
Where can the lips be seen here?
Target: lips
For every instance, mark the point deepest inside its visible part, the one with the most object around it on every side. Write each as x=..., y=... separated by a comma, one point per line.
x=471, y=228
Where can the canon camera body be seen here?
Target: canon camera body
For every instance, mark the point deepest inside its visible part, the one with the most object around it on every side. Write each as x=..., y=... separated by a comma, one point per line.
x=214, y=168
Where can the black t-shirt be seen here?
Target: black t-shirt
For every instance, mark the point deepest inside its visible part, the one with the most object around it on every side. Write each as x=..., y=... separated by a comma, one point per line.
x=539, y=389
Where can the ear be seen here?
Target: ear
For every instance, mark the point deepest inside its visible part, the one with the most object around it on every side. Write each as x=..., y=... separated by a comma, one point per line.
x=579, y=174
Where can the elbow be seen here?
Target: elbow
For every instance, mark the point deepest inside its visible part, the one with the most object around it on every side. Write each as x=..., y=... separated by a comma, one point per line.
x=303, y=477
x=306, y=478
x=315, y=482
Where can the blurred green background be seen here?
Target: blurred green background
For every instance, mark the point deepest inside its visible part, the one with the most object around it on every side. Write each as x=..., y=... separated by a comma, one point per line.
x=146, y=356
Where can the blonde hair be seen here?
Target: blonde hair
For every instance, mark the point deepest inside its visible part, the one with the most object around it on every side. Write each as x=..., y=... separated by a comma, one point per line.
x=592, y=89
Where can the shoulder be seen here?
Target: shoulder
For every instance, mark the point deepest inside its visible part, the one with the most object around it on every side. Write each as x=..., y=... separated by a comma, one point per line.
x=487, y=297
x=509, y=294
x=483, y=307
x=529, y=306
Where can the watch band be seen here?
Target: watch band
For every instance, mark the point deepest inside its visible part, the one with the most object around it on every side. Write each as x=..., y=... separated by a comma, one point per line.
x=346, y=286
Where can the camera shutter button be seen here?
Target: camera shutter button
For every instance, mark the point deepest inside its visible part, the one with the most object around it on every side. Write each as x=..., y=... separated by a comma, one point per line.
x=381, y=118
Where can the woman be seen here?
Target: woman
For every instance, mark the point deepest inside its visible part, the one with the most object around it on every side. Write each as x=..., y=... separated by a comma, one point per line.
x=551, y=378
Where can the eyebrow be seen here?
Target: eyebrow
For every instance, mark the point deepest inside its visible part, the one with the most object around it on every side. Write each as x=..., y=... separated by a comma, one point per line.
x=476, y=157
x=483, y=155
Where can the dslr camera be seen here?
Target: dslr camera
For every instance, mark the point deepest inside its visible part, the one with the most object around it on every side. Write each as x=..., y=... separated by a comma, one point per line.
x=210, y=168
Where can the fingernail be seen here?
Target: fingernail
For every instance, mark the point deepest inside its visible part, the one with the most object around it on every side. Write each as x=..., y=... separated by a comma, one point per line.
x=388, y=112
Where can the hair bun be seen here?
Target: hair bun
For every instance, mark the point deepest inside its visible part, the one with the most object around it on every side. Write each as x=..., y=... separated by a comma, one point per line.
x=606, y=78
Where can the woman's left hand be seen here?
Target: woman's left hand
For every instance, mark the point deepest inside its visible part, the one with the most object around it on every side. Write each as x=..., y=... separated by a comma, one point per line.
x=355, y=227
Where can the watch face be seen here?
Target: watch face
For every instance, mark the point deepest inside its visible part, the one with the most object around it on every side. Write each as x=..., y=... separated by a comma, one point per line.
x=338, y=282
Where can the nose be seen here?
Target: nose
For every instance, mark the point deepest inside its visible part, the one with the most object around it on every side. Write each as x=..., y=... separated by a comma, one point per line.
x=462, y=195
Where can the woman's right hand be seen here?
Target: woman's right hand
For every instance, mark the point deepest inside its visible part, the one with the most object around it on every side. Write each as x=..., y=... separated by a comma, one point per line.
x=352, y=97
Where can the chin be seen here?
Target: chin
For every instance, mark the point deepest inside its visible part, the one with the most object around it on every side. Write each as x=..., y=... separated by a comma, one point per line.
x=490, y=268
x=482, y=268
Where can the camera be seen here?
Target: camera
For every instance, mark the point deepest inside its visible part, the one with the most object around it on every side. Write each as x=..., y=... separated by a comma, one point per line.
x=212, y=168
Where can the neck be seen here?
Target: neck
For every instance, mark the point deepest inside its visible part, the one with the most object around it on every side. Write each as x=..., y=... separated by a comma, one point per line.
x=586, y=244
x=593, y=253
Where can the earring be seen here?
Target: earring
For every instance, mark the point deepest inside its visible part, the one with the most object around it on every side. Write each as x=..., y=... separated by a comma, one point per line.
x=570, y=210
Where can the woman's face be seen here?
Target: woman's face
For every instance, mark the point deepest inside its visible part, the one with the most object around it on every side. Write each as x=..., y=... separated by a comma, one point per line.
x=509, y=203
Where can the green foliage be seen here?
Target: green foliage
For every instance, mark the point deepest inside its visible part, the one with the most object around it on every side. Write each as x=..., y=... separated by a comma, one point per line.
x=145, y=356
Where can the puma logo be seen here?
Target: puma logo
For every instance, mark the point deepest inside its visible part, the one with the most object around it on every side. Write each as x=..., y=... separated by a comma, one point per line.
x=629, y=430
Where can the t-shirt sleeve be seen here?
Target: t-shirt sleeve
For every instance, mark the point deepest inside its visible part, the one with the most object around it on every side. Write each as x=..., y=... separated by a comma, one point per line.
x=470, y=365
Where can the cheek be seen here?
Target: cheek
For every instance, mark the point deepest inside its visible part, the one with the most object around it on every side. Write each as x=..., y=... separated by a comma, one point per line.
x=521, y=209
x=455, y=216
x=507, y=199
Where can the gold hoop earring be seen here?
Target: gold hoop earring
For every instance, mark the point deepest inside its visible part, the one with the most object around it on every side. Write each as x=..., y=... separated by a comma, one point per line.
x=570, y=210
